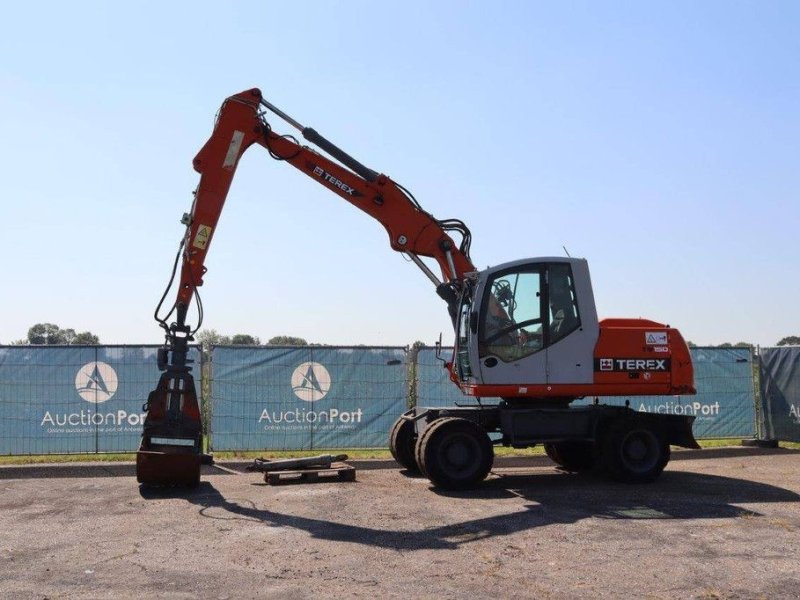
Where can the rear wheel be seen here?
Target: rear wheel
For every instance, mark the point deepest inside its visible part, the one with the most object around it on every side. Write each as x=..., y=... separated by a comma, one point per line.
x=402, y=440
x=572, y=456
x=633, y=452
x=455, y=453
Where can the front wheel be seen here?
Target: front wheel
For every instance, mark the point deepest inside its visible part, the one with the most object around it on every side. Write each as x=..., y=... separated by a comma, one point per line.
x=455, y=453
x=632, y=452
x=402, y=440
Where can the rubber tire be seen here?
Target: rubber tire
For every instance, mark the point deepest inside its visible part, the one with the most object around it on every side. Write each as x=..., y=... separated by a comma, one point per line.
x=575, y=457
x=402, y=441
x=455, y=453
x=552, y=453
x=632, y=452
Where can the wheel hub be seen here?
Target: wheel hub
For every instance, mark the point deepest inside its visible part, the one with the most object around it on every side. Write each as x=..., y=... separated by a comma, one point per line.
x=640, y=450
x=458, y=454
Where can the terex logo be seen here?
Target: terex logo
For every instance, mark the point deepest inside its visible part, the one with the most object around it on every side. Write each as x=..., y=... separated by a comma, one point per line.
x=311, y=381
x=632, y=364
x=334, y=181
x=96, y=382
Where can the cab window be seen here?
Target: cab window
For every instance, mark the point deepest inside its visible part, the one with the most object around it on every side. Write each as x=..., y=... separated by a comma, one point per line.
x=563, y=304
x=527, y=310
x=511, y=325
x=462, y=354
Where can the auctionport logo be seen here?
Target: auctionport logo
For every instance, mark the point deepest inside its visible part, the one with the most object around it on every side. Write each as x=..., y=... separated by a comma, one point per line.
x=697, y=409
x=311, y=381
x=96, y=382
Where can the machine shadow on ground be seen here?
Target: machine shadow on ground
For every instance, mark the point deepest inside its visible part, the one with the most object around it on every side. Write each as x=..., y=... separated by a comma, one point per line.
x=675, y=495
x=555, y=498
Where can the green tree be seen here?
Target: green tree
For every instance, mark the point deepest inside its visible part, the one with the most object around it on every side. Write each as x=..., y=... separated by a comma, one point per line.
x=85, y=338
x=245, y=339
x=50, y=334
x=287, y=340
x=46, y=334
x=790, y=340
x=211, y=337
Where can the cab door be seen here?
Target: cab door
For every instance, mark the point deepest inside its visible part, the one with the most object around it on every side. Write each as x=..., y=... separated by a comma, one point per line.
x=572, y=324
x=512, y=326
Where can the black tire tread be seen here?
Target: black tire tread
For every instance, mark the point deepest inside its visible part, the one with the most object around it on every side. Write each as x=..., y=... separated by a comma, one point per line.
x=402, y=442
x=614, y=465
x=434, y=472
x=575, y=456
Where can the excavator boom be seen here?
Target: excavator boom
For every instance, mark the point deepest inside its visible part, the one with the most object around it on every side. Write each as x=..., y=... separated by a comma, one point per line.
x=242, y=123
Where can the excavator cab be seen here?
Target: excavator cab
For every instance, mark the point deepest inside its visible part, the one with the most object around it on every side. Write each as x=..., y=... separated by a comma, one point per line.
x=528, y=330
x=526, y=322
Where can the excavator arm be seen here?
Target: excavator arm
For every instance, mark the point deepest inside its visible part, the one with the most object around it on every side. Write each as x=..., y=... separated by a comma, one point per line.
x=171, y=449
x=242, y=123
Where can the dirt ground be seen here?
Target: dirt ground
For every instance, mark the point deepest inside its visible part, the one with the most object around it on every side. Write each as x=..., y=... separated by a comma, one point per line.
x=723, y=526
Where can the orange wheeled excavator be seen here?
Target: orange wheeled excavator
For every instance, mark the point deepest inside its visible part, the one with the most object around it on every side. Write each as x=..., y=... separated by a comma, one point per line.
x=526, y=333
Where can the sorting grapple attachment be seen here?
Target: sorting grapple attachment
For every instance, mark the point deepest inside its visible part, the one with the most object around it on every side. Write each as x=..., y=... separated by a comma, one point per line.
x=171, y=447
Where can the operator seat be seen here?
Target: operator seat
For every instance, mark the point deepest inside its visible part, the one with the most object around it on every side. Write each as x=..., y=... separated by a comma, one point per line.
x=562, y=324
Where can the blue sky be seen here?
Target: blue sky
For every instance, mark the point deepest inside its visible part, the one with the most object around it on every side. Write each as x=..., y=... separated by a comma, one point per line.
x=658, y=140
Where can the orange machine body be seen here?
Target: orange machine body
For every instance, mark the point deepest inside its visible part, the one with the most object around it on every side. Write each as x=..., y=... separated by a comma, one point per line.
x=625, y=363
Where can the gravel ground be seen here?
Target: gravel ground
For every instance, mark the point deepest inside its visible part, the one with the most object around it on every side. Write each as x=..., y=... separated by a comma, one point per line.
x=722, y=527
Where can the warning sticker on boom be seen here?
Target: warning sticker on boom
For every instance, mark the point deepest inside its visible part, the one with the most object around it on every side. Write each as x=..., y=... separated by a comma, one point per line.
x=202, y=237
x=656, y=338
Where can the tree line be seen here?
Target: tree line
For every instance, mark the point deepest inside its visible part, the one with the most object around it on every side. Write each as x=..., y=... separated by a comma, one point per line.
x=50, y=334
x=790, y=340
x=210, y=337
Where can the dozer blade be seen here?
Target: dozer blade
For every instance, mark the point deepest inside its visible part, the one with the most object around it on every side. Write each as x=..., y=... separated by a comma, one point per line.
x=676, y=429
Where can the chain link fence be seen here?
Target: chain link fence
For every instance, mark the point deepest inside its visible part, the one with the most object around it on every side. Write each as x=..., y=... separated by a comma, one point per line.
x=89, y=399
